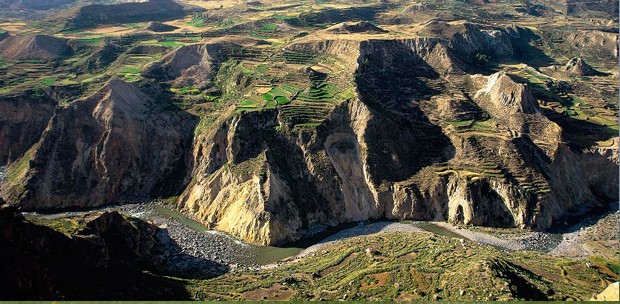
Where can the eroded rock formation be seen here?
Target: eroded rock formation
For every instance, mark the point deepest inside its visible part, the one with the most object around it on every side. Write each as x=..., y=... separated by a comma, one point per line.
x=22, y=120
x=118, y=144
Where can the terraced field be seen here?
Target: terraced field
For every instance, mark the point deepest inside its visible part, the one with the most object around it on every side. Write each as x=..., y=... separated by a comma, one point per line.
x=418, y=266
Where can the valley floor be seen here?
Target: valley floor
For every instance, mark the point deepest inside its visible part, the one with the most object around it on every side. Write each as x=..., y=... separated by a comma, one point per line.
x=593, y=236
x=383, y=260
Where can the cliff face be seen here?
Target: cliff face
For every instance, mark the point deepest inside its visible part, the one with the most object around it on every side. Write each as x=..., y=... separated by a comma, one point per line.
x=118, y=144
x=390, y=151
x=22, y=120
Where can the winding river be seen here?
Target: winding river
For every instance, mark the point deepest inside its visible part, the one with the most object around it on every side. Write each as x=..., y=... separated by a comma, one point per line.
x=196, y=238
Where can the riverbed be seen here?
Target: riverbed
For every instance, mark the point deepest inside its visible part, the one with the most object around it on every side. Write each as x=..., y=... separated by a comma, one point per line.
x=196, y=240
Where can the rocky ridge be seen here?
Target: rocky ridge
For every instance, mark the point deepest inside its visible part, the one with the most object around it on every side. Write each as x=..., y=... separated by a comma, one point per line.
x=109, y=257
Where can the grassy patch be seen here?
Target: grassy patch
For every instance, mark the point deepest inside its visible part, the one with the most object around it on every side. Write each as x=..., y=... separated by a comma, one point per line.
x=67, y=226
x=279, y=92
x=36, y=61
x=92, y=40
x=228, y=22
x=18, y=167
x=308, y=125
x=170, y=43
x=268, y=96
x=247, y=104
x=197, y=22
x=134, y=25
x=186, y=91
x=49, y=81
x=283, y=17
x=269, y=27
x=460, y=123
x=281, y=100
x=271, y=104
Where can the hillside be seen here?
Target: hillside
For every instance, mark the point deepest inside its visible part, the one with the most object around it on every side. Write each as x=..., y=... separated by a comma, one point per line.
x=249, y=130
x=437, y=166
x=152, y=10
x=419, y=267
x=34, y=47
x=35, y=4
x=105, y=255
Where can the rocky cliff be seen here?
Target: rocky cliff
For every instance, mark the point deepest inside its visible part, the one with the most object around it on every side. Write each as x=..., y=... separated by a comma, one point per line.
x=393, y=151
x=22, y=121
x=118, y=144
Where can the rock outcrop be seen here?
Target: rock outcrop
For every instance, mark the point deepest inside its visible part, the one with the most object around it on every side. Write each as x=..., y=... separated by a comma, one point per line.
x=106, y=259
x=118, y=144
x=191, y=65
x=34, y=47
x=22, y=121
x=579, y=67
x=609, y=294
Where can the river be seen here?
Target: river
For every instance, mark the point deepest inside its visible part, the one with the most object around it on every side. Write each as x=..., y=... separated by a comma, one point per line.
x=197, y=240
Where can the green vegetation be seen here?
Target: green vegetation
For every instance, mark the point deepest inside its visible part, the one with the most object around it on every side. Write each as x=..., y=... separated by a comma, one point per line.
x=464, y=123
x=186, y=91
x=268, y=96
x=228, y=22
x=134, y=25
x=37, y=61
x=247, y=104
x=269, y=27
x=281, y=100
x=170, y=43
x=197, y=21
x=99, y=39
x=18, y=167
x=68, y=226
x=283, y=17
x=308, y=124
x=49, y=81
x=413, y=266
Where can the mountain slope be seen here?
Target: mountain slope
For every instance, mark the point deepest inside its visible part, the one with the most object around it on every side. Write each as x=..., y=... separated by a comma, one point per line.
x=118, y=144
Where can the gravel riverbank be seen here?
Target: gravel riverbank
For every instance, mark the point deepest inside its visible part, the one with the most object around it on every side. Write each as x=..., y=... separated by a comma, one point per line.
x=189, y=251
x=203, y=253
